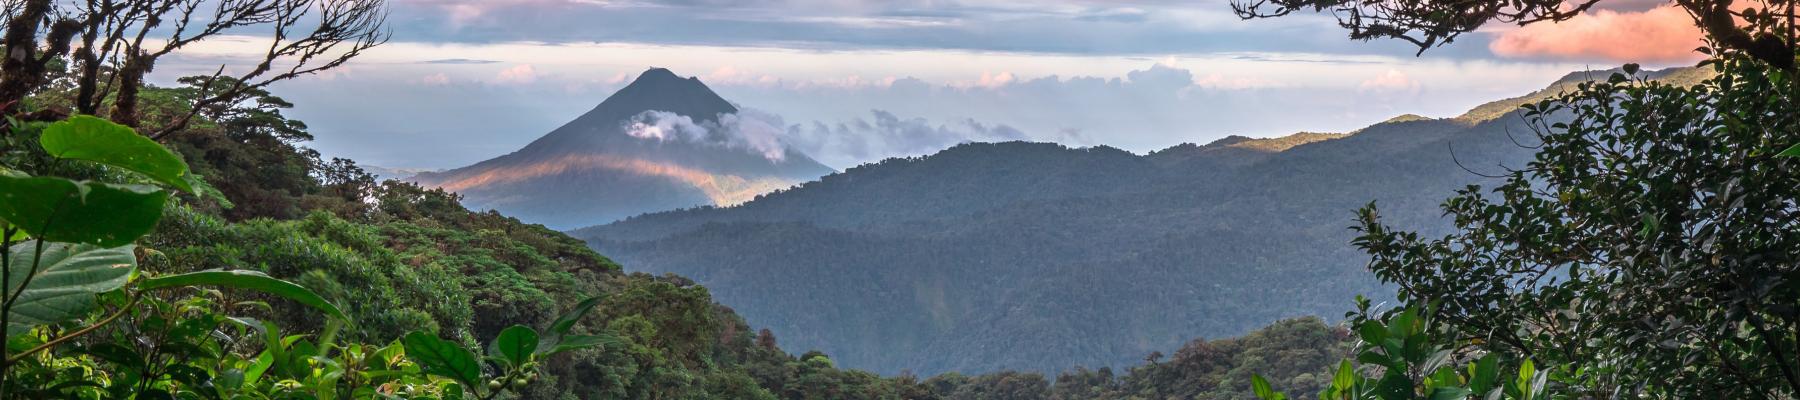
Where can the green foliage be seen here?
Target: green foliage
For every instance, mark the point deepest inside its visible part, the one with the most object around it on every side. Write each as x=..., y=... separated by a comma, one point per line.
x=1643, y=253
x=516, y=345
x=1648, y=226
x=443, y=358
x=323, y=254
x=93, y=226
x=55, y=282
x=62, y=210
x=1263, y=391
x=250, y=280
x=992, y=256
x=85, y=137
x=1408, y=354
x=394, y=258
x=515, y=352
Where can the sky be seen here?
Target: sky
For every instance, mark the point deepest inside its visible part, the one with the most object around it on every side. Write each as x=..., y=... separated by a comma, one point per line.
x=855, y=81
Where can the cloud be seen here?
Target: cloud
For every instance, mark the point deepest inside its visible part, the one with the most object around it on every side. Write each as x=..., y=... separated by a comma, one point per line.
x=1663, y=34
x=460, y=12
x=886, y=135
x=992, y=80
x=1136, y=27
x=1162, y=74
x=664, y=126
x=1121, y=15
x=731, y=75
x=459, y=61
x=437, y=79
x=1390, y=81
x=846, y=142
x=757, y=132
x=520, y=74
x=383, y=113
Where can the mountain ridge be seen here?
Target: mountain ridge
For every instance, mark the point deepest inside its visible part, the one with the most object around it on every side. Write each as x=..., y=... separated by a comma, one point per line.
x=1038, y=256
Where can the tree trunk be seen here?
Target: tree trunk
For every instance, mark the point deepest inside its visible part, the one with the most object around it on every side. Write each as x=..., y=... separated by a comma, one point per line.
x=20, y=73
x=131, y=78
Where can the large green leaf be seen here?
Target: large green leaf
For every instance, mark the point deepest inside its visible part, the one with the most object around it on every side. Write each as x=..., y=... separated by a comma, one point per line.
x=60, y=210
x=68, y=278
x=84, y=137
x=1261, y=387
x=1394, y=385
x=516, y=344
x=1345, y=377
x=1793, y=151
x=442, y=357
x=242, y=279
x=1450, y=393
x=1484, y=373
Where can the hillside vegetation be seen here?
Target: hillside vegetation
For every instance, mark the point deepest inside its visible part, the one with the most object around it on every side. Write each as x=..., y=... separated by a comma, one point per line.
x=1035, y=256
x=400, y=261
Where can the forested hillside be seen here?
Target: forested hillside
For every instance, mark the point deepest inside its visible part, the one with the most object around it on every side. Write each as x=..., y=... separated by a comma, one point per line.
x=1034, y=256
x=1629, y=234
x=185, y=243
x=397, y=258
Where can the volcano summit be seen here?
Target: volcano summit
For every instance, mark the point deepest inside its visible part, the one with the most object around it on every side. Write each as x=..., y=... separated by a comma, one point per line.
x=661, y=143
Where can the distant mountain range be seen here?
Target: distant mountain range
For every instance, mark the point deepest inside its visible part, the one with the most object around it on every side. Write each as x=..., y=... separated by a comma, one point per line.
x=1037, y=256
x=661, y=143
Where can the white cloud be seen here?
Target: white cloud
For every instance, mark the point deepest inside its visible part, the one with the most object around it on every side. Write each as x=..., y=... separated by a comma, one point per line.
x=885, y=135
x=747, y=130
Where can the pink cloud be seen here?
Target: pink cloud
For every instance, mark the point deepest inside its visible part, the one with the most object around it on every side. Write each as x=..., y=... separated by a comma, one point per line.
x=461, y=12
x=989, y=80
x=1661, y=34
x=521, y=74
x=1391, y=81
x=438, y=79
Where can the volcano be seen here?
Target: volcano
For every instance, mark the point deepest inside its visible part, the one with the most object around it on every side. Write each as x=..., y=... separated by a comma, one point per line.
x=625, y=158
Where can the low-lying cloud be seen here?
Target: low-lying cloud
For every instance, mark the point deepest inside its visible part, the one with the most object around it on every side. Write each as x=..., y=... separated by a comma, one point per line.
x=842, y=143
x=466, y=113
x=747, y=130
x=886, y=135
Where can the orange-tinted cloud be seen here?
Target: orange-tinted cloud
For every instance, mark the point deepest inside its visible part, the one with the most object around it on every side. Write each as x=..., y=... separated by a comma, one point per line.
x=1392, y=81
x=724, y=190
x=1661, y=34
x=522, y=73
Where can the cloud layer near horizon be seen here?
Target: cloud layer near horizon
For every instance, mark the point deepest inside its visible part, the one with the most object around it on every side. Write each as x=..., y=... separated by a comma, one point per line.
x=471, y=79
x=1619, y=31
x=470, y=112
